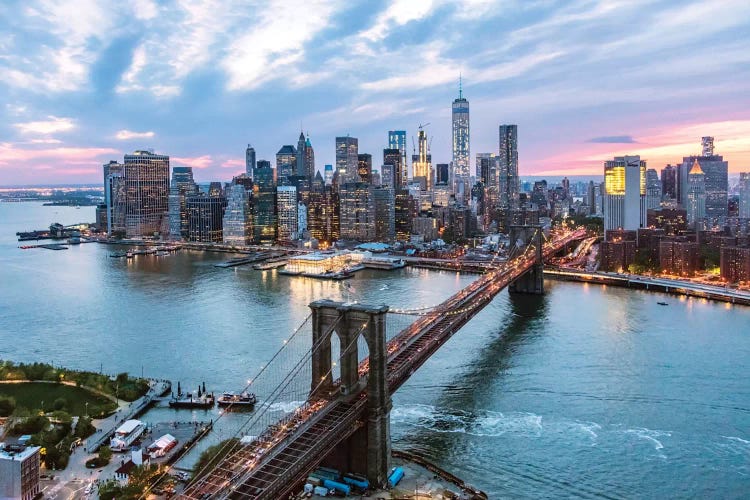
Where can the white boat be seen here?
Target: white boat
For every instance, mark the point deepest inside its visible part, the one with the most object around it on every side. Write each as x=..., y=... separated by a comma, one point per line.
x=237, y=400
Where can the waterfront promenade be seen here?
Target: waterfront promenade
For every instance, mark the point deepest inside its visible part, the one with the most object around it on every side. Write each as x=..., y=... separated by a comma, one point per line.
x=656, y=283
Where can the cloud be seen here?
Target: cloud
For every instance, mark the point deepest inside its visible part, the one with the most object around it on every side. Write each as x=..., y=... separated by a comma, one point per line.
x=613, y=139
x=10, y=153
x=199, y=162
x=52, y=125
x=398, y=13
x=127, y=135
x=233, y=164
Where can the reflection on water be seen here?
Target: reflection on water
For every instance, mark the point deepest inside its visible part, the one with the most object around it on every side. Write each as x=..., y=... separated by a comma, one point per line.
x=585, y=391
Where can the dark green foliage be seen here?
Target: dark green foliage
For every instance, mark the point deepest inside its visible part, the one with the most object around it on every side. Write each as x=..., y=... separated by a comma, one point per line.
x=7, y=406
x=31, y=425
x=84, y=428
x=212, y=456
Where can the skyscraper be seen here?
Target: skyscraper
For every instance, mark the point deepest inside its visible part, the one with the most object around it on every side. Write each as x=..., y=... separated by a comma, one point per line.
x=385, y=223
x=653, y=189
x=205, y=217
x=696, y=197
x=422, y=161
x=394, y=160
x=744, y=195
x=669, y=181
x=182, y=186
x=357, y=217
x=328, y=171
x=509, y=183
x=625, y=193
x=397, y=140
x=442, y=173
x=364, y=168
x=140, y=194
x=301, y=148
x=113, y=185
x=347, y=152
x=249, y=160
x=487, y=174
x=264, y=203
x=309, y=160
x=286, y=164
x=716, y=172
x=286, y=210
x=460, y=122
x=238, y=221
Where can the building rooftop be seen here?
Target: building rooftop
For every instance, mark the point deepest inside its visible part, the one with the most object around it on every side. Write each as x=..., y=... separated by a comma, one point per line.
x=17, y=452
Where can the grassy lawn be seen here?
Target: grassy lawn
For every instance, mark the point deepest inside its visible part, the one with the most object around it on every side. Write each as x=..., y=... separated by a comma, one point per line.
x=31, y=394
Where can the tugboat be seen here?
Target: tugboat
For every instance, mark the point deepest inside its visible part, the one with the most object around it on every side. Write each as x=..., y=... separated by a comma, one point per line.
x=243, y=400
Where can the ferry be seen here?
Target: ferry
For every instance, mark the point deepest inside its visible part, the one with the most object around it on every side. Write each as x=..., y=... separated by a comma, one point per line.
x=237, y=400
x=129, y=255
x=663, y=303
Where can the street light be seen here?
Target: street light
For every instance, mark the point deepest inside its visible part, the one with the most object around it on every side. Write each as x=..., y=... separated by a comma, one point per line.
x=87, y=409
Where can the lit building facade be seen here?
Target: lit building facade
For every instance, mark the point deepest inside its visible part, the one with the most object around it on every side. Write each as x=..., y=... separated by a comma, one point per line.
x=716, y=172
x=264, y=203
x=744, y=208
x=422, y=162
x=357, y=206
x=286, y=164
x=137, y=194
x=205, y=218
x=696, y=194
x=286, y=212
x=653, y=189
x=385, y=213
x=347, y=158
x=364, y=168
x=735, y=264
x=625, y=194
x=461, y=136
x=393, y=172
x=328, y=171
x=397, y=140
x=182, y=186
x=507, y=164
x=238, y=219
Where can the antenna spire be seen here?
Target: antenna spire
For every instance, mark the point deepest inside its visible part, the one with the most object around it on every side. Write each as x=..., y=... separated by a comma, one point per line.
x=460, y=87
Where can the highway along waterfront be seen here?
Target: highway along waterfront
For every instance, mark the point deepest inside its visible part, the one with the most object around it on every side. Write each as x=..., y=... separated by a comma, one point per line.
x=587, y=391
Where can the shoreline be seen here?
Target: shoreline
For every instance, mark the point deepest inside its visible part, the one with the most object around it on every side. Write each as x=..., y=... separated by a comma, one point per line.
x=663, y=285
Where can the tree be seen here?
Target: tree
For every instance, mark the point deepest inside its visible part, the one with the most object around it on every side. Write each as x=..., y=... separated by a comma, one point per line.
x=105, y=454
x=7, y=406
x=60, y=404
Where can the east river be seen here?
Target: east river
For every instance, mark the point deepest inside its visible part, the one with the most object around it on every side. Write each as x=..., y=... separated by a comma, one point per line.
x=586, y=391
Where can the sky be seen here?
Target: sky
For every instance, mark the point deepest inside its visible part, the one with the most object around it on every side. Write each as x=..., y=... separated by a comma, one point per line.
x=83, y=82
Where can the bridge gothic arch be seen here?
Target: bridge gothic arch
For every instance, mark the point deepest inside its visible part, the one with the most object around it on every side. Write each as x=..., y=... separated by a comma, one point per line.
x=350, y=322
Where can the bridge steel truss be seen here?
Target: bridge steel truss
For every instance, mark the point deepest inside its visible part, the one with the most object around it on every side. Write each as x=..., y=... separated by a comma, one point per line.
x=282, y=469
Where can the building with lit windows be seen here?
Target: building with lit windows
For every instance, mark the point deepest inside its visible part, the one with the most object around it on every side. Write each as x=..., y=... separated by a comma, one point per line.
x=286, y=213
x=716, y=172
x=422, y=162
x=182, y=186
x=509, y=186
x=653, y=189
x=625, y=194
x=393, y=171
x=364, y=168
x=405, y=211
x=138, y=193
x=735, y=264
x=744, y=208
x=385, y=212
x=238, y=219
x=19, y=472
x=696, y=194
x=487, y=174
x=357, y=211
x=397, y=140
x=679, y=257
x=264, y=203
x=205, y=218
x=328, y=170
x=347, y=159
x=286, y=164
x=461, y=136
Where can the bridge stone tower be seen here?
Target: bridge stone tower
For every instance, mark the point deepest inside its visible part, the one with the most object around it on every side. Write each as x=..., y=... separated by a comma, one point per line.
x=368, y=450
x=531, y=282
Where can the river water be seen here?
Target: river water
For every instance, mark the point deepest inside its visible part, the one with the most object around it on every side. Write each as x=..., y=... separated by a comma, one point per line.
x=586, y=391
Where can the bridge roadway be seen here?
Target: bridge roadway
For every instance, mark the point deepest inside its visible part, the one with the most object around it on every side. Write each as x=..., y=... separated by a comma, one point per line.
x=291, y=450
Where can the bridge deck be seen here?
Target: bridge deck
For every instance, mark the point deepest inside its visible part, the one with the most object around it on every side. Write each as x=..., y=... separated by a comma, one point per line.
x=273, y=472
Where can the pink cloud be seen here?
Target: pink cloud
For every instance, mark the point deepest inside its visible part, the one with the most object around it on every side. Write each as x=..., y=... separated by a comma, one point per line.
x=200, y=162
x=658, y=147
x=233, y=163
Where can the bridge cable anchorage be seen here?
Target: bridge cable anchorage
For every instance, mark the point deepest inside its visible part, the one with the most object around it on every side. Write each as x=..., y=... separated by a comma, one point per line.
x=275, y=393
x=242, y=476
x=248, y=386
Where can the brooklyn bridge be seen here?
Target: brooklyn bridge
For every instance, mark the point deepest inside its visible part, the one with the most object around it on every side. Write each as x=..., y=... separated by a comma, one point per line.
x=326, y=393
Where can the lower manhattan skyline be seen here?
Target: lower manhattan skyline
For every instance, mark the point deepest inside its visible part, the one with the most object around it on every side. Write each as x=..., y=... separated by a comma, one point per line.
x=222, y=76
